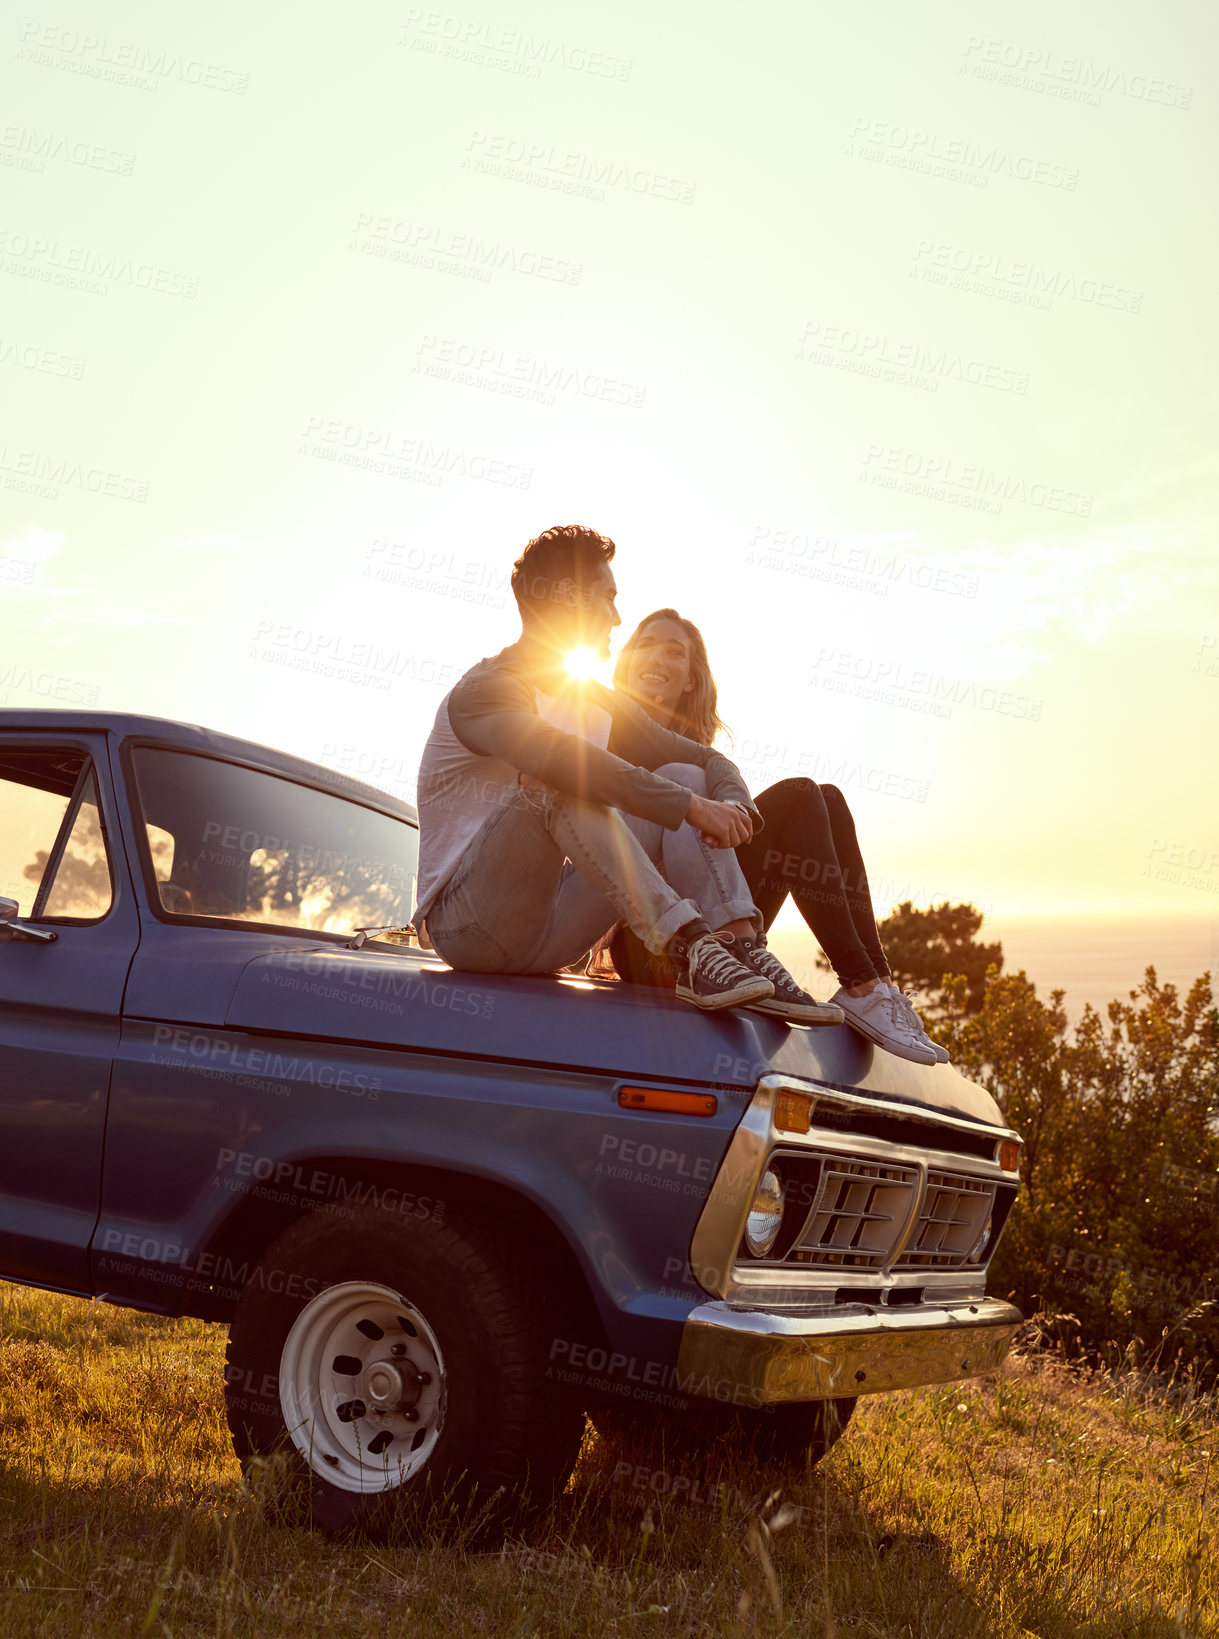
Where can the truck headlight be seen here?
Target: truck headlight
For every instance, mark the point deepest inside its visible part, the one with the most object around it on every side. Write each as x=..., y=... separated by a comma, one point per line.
x=765, y=1214
x=983, y=1241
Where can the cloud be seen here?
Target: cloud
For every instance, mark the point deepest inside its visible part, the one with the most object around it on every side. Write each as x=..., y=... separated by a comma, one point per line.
x=1041, y=595
x=37, y=545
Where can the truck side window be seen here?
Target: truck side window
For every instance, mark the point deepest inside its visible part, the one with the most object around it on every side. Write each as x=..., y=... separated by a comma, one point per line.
x=36, y=789
x=231, y=843
x=80, y=887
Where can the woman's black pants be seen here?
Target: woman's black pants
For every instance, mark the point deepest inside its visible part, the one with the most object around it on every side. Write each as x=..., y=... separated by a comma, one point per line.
x=807, y=848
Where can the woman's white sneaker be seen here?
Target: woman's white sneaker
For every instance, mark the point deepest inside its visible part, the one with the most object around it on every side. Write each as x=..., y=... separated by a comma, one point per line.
x=881, y=1017
x=917, y=1024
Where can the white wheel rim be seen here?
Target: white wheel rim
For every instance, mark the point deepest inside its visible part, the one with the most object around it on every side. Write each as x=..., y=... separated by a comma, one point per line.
x=361, y=1363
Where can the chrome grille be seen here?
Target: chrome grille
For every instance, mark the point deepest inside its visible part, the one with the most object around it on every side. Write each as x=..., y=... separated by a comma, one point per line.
x=858, y=1214
x=954, y=1213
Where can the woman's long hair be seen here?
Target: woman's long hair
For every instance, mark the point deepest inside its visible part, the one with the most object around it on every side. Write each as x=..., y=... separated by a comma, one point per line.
x=696, y=716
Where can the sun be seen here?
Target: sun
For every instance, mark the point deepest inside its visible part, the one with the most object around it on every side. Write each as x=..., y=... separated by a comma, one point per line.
x=581, y=663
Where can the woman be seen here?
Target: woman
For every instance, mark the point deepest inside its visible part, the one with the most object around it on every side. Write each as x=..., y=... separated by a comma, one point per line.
x=808, y=848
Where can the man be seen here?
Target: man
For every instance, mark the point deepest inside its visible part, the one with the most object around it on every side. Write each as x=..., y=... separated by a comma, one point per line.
x=547, y=805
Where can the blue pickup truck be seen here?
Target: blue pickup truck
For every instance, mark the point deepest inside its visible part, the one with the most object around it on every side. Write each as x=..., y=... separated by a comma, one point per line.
x=444, y=1215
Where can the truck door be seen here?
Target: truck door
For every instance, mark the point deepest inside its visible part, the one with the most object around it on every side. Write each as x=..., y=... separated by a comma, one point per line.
x=60, y=1001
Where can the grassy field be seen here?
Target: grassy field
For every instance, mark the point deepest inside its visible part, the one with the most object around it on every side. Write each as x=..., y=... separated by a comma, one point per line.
x=1035, y=1502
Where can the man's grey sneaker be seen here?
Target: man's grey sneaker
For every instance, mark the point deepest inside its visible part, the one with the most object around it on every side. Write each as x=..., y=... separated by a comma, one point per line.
x=881, y=1018
x=711, y=975
x=911, y=1012
x=789, y=1001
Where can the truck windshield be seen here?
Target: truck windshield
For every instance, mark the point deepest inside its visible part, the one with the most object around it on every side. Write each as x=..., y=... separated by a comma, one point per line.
x=229, y=842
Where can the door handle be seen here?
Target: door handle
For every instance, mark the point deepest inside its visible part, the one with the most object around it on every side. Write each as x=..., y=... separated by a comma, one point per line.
x=11, y=927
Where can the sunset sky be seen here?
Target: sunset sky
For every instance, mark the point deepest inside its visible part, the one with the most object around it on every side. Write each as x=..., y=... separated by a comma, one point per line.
x=882, y=340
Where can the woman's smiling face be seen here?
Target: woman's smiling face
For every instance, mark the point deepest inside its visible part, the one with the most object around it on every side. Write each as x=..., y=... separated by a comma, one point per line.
x=659, y=672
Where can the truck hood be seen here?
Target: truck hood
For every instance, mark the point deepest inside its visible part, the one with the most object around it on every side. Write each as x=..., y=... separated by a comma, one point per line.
x=407, y=1000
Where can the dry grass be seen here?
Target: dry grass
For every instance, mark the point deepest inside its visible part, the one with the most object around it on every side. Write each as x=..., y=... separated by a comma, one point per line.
x=1035, y=1502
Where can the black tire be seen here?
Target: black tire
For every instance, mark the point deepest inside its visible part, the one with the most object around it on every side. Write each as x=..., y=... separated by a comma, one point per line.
x=503, y=1440
x=789, y=1437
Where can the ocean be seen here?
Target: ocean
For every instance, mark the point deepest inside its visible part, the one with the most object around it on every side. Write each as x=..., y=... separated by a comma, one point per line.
x=1093, y=960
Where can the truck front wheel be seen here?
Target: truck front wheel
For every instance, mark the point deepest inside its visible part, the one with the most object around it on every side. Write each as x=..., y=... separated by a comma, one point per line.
x=377, y=1366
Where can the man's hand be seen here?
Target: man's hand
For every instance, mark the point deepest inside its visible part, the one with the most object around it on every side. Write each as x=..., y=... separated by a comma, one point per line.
x=723, y=824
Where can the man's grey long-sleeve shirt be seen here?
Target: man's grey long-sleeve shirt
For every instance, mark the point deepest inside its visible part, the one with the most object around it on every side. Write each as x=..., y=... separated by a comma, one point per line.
x=490, y=730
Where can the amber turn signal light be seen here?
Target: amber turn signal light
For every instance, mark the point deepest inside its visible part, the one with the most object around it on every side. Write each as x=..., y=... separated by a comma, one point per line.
x=656, y=1098
x=1008, y=1155
x=793, y=1111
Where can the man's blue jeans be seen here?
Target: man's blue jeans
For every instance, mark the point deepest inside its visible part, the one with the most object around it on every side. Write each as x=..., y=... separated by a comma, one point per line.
x=548, y=874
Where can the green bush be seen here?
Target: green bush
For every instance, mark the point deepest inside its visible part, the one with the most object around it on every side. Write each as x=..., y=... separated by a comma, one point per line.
x=1116, y=1233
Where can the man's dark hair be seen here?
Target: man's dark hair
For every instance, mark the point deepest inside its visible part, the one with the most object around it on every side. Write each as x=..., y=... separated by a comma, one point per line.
x=566, y=552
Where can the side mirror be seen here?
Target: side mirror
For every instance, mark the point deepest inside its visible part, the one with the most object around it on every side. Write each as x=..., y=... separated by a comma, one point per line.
x=12, y=928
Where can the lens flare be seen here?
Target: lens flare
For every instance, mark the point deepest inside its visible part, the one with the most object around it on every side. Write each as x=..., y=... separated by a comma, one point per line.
x=582, y=663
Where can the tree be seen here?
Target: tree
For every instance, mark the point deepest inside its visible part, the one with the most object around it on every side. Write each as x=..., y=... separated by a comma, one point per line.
x=924, y=946
x=1116, y=1221
x=1117, y=1224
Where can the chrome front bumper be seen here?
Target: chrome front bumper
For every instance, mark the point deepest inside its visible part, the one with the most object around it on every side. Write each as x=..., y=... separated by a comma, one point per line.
x=753, y=1358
